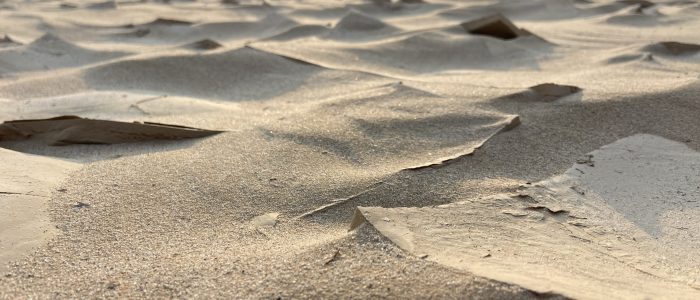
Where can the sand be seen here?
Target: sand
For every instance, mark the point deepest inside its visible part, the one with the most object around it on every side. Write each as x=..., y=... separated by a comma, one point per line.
x=490, y=149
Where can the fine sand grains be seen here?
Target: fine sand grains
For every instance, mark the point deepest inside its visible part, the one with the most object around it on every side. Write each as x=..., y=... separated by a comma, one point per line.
x=453, y=126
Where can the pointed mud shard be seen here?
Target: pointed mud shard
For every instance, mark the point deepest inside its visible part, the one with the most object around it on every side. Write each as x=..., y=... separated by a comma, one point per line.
x=168, y=22
x=496, y=26
x=6, y=41
x=341, y=201
x=552, y=91
x=673, y=48
x=511, y=123
x=266, y=220
x=205, y=44
x=66, y=130
x=546, y=92
x=334, y=257
x=625, y=58
x=357, y=219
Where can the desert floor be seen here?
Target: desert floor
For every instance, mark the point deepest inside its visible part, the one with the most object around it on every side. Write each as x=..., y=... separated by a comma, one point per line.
x=350, y=149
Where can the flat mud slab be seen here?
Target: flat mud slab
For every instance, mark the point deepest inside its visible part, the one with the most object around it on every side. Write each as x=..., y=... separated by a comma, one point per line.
x=617, y=224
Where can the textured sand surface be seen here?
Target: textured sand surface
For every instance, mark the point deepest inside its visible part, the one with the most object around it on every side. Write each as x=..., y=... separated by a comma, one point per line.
x=430, y=112
x=26, y=184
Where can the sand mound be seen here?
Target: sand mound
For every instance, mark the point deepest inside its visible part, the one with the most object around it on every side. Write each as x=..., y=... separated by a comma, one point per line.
x=358, y=26
x=50, y=52
x=356, y=21
x=363, y=43
x=163, y=31
x=249, y=74
x=641, y=13
x=673, y=48
x=410, y=128
x=270, y=25
x=427, y=52
x=68, y=130
x=353, y=27
x=557, y=237
x=298, y=32
x=54, y=45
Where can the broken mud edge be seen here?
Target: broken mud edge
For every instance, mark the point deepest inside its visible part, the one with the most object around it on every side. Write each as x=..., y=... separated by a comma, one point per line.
x=67, y=130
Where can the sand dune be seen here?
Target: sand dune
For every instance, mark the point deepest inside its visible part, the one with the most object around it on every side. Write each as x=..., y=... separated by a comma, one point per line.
x=400, y=134
x=50, y=52
x=352, y=27
x=247, y=72
x=427, y=52
x=358, y=25
x=170, y=31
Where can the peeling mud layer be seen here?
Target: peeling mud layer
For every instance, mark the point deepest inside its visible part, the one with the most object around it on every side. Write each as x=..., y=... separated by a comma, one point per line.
x=601, y=230
x=67, y=130
x=478, y=149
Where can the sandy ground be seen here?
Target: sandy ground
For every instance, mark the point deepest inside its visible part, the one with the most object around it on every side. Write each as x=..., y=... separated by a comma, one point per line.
x=481, y=149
